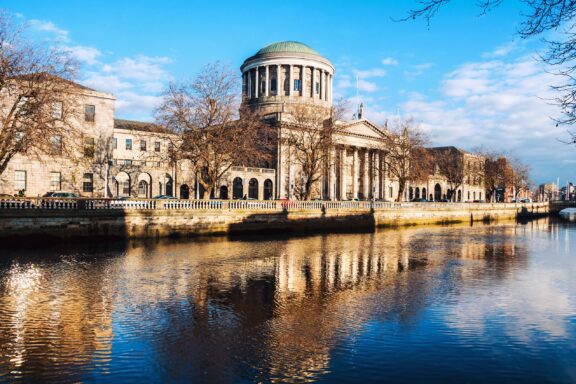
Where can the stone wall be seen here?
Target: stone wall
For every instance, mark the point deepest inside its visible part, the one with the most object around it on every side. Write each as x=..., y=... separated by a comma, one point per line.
x=162, y=223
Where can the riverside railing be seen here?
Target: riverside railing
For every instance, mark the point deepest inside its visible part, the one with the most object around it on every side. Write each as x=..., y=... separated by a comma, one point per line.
x=16, y=203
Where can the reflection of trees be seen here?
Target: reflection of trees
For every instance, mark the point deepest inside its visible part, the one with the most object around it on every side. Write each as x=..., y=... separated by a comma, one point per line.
x=266, y=310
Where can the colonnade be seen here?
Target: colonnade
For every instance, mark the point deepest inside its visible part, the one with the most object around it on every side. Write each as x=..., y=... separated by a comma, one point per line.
x=269, y=80
x=350, y=173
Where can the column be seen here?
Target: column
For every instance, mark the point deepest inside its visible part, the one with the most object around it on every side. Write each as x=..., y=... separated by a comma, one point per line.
x=279, y=83
x=249, y=89
x=267, y=81
x=321, y=80
x=290, y=75
x=324, y=85
x=303, y=82
x=313, y=82
x=355, y=174
x=257, y=83
x=343, y=174
x=332, y=175
x=329, y=98
x=366, y=181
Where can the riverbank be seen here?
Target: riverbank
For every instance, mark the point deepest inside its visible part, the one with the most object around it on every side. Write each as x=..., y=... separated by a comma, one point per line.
x=173, y=219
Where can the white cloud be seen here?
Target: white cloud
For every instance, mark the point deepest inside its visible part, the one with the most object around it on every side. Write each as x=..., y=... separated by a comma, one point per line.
x=502, y=105
x=389, y=61
x=88, y=55
x=58, y=34
x=369, y=73
x=366, y=86
x=417, y=70
x=501, y=51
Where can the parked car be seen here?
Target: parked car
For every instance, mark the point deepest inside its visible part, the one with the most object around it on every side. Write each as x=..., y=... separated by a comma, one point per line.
x=526, y=200
x=62, y=195
x=163, y=197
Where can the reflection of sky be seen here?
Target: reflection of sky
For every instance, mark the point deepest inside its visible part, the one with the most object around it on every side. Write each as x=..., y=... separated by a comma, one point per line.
x=421, y=305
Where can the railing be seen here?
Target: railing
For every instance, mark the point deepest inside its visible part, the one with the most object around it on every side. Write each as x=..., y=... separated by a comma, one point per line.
x=14, y=203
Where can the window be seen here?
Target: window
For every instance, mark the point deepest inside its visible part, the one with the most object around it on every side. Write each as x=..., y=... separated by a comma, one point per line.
x=157, y=146
x=125, y=188
x=129, y=144
x=56, y=144
x=297, y=85
x=273, y=85
x=20, y=180
x=88, y=147
x=391, y=192
x=114, y=143
x=142, y=145
x=55, y=181
x=262, y=87
x=89, y=113
x=87, y=185
x=57, y=110
x=127, y=162
x=317, y=88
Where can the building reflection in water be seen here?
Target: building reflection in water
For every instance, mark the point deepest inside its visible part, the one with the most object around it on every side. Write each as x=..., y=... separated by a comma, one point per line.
x=242, y=309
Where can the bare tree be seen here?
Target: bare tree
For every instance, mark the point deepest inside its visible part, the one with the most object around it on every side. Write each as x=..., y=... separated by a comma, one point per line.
x=543, y=15
x=203, y=113
x=450, y=163
x=520, y=176
x=310, y=137
x=497, y=172
x=37, y=97
x=406, y=158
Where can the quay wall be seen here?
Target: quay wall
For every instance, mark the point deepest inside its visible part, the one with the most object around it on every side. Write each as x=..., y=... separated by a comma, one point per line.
x=217, y=219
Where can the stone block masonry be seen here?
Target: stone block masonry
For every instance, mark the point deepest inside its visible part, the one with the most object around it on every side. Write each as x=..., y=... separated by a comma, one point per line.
x=181, y=222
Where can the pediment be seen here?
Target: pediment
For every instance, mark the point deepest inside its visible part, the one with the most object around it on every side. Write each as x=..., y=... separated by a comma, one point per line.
x=363, y=128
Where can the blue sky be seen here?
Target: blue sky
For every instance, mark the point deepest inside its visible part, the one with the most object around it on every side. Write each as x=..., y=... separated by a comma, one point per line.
x=466, y=78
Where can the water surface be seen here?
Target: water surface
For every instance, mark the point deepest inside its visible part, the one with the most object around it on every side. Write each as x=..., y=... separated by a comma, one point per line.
x=431, y=304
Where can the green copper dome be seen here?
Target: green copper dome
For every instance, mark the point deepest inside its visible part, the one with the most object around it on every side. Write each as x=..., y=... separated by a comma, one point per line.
x=287, y=46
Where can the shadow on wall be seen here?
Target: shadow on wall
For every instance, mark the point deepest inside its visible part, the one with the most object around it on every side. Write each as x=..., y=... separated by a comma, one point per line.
x=302, y=222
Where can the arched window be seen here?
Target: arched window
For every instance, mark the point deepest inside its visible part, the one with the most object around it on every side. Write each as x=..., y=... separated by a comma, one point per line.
x=459, y=196
x=437, y=192
x=224, y=192
x=142, y=188
x=169, y=187
x=417, y=193
x=410, y=193
x=237, y=188
x=253, y=189
x=268, y=189
x=423, y=193
x=184, y=191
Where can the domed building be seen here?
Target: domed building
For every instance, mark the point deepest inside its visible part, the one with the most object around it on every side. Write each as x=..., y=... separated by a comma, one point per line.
x=286, y=73
x=282, y=79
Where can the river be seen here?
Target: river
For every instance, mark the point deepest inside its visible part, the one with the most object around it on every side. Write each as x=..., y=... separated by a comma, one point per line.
x=476, y=304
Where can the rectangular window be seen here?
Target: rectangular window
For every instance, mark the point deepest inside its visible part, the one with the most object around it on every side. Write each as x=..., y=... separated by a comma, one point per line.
x=317, y=88
x=114, y=143
x=126, y=188
x=56, y=144
x=157, y=146
x=57, y=110
x=142, y=145
x=20, y=180
x=273, y=85
x=391, y=192
x=297, y=85
x=129, y=144
x=89, y=147
x=55, y=181
x=127, y=162
x=87, y=185
x=89, y=113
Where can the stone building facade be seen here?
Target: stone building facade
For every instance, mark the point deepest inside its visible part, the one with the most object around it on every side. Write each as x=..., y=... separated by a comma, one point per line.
x=135, y=159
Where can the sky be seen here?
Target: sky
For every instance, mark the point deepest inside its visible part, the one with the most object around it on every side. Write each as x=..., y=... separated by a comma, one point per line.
x=467, y=79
